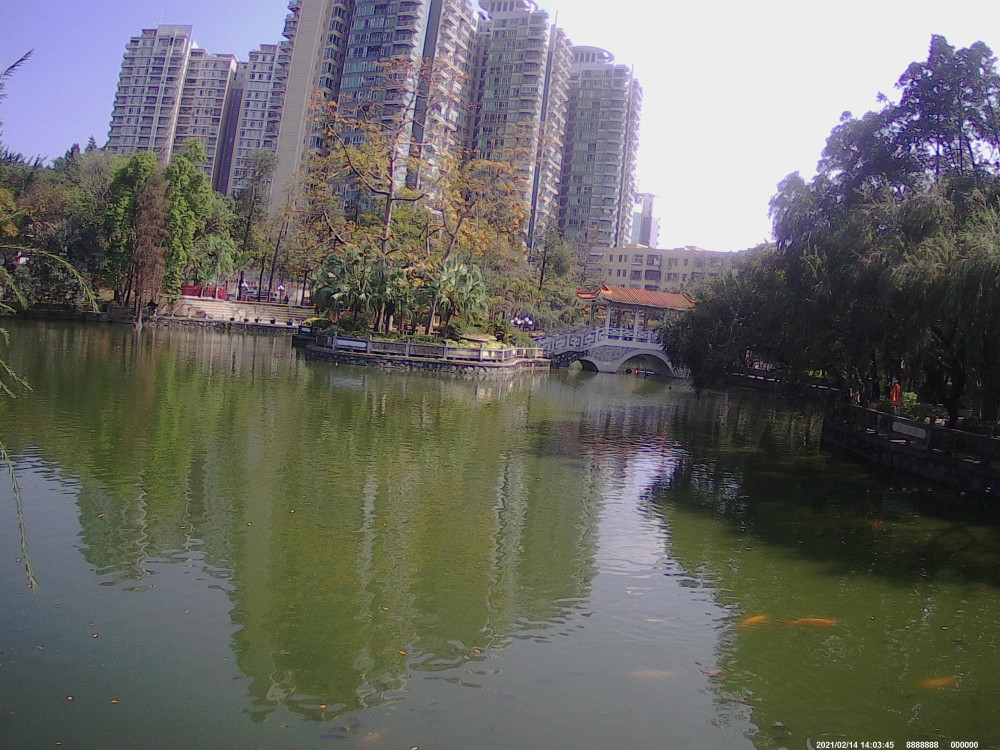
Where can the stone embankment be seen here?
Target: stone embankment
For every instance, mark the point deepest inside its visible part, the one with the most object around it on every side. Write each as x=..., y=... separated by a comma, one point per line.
x=961, y=460
x=482, y=362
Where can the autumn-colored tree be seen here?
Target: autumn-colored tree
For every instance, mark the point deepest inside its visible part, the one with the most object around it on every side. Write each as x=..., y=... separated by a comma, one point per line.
x=152, y=239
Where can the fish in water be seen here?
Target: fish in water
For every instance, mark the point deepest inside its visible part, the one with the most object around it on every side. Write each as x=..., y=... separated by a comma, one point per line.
x=651, y=674
x=373, y=737
x=752, y=620
x=938, y=683
x=812, y=622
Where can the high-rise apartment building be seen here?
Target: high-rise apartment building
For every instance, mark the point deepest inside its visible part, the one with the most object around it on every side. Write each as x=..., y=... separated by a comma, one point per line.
x=169, y=91
x=206, y=99
x=258, y=95
x=520, y=94
x=645, y=226
x=148, y=99
x=597, y=190
x=501, y=82
x=316, y=33
x=406, y=59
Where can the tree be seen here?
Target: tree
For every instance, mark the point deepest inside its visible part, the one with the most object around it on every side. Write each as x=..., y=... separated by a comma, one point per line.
x=120, y=223
x=886, y=264
x=370, y=145
x=152, y=238
x=191, y=203
x=555, y=257
x=251, y=210
x=461, y=290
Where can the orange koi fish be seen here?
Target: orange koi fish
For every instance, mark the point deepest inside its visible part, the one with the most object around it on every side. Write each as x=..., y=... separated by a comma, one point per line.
x=752, y=620
x=812, y=622
x=938, y=683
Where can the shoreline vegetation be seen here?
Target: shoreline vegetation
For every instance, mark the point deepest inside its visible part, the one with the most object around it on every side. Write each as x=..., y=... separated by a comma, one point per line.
x=883, y=280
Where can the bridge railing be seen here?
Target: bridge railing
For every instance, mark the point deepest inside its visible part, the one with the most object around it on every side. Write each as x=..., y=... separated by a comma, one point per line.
x=584, y=338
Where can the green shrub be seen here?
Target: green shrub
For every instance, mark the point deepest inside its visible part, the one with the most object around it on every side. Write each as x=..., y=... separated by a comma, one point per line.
x=318, y=323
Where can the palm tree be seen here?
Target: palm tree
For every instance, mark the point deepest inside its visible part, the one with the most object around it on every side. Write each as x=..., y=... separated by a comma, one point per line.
x=461, y=290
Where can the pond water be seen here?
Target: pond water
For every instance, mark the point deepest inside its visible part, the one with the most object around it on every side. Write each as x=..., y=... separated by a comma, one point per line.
x=240, y=549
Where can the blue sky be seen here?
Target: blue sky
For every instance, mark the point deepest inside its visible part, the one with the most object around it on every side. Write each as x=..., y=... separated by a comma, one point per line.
x=737, y=94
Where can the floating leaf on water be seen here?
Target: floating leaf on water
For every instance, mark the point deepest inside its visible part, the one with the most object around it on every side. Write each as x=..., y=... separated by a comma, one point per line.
x=115, y=701
x=401, y=652
x=101, y=515
x=323, y=706
x=94, y=635
x=70, y=698
x=384, y=609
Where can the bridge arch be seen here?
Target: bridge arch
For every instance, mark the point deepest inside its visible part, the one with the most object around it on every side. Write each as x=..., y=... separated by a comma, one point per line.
x=646, y=360
x=588, y=365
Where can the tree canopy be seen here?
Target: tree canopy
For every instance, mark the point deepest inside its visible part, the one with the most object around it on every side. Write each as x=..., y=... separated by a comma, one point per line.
x=886, y=264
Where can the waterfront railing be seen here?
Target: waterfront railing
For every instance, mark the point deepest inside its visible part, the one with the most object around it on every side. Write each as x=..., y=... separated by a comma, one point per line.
x=984, y=449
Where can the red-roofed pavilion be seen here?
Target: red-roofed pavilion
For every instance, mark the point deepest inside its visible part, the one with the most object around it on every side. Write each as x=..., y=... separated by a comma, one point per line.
x=632, y=314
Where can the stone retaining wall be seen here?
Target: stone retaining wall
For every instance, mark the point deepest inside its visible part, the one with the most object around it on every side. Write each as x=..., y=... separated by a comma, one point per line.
x=416, y=364
x=952, y=471
x=222, y=325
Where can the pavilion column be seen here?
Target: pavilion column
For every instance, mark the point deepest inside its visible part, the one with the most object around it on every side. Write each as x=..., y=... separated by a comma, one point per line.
x=635, y=325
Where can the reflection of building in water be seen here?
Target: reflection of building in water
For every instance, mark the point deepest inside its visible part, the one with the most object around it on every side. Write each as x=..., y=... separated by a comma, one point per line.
x=419, y=540
x=370, y=526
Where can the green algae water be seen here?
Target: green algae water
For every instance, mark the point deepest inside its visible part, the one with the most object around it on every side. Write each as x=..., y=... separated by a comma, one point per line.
x=240, y=549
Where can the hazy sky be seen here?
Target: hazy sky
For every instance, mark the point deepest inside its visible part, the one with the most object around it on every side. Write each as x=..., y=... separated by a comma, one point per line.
x=737, y=94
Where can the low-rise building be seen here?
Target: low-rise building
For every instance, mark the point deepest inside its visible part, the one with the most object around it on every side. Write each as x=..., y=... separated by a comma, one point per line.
x=657, y=270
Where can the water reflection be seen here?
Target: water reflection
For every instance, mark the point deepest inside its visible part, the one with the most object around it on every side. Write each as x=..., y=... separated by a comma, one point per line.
x=408, y=526
x=561, y=560
x=866, y=606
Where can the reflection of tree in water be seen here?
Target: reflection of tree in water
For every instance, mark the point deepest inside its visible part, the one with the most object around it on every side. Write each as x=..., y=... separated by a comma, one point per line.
x=370, y=524
x=774, y=528
x=430, y=539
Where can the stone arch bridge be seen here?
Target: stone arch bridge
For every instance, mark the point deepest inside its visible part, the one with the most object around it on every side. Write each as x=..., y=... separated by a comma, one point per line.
x=625, y=332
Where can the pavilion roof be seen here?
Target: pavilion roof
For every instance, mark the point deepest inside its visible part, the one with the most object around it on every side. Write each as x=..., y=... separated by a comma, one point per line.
x=624, y=295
